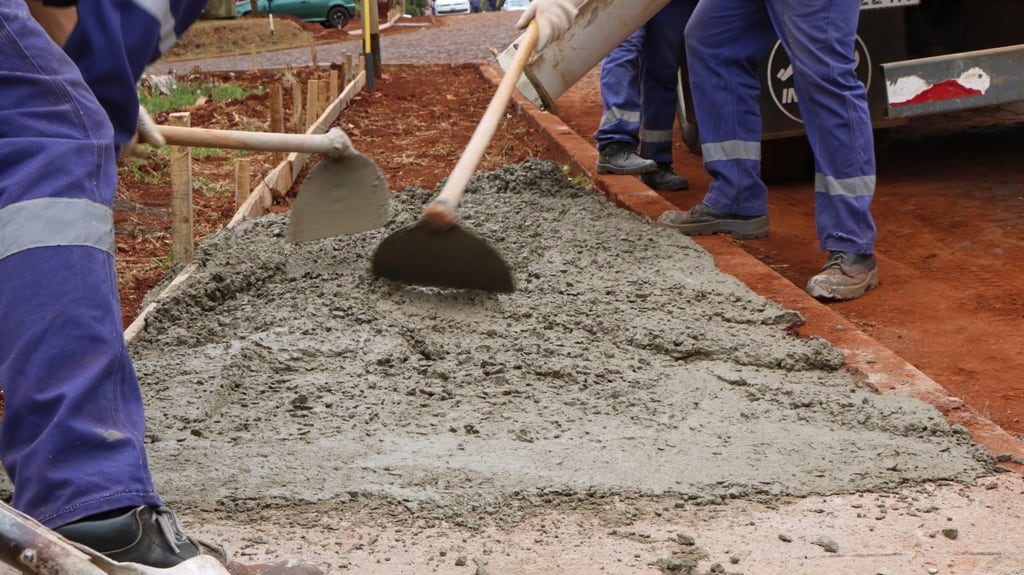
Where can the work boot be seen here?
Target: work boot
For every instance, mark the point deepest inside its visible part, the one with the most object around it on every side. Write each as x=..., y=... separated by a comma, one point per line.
x=152, y=536
x=701, y=220
x=664, y=179
x=621, y=158
x=846, y=276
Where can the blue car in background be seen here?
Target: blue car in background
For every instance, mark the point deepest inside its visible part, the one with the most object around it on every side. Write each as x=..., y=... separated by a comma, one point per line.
x=329, y=13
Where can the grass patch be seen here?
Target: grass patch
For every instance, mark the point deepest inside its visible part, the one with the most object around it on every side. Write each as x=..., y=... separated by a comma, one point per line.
x=186, y=94
x=213, y=38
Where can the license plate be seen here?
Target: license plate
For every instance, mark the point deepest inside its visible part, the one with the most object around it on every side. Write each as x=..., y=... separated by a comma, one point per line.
x=869, y=4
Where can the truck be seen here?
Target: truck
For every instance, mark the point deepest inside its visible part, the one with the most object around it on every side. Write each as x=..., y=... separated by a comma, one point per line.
x=915, y=57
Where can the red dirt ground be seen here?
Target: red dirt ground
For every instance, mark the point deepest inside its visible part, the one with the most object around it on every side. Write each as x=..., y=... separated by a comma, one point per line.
x=949, y=208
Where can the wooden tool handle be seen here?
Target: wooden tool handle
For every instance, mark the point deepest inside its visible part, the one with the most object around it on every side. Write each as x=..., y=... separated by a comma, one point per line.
x=440, y=213
x=332, y=143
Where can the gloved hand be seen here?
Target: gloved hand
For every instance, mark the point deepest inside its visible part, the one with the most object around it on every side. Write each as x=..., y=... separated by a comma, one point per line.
x=146, y=134
x=553, y=18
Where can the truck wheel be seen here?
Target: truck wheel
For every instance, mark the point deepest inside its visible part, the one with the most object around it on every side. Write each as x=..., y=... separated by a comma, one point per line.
x=337, y=17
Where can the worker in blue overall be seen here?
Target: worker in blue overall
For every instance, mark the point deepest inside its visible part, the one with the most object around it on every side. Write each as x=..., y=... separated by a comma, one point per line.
x=639, y=97
x=725, y=42
x=72, y=433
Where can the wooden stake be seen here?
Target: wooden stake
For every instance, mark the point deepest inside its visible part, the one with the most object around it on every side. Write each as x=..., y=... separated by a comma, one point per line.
x=297, y=107
x=323, y=91
x=243, y=168
x=276, y=115
x=312, y=53
x=332, y=87
x=346, y=68
x=312, y=103
x=182, y=237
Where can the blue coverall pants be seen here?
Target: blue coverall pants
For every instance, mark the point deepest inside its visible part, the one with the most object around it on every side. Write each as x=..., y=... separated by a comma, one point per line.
x=638, y=85
x=725, y=42
x=71, y=437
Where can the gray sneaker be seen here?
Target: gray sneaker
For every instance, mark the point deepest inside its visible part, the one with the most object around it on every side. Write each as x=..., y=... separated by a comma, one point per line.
x=152, y=536
x=664, y=179
x=701, y=220
x=846, y=275
x=621, y=158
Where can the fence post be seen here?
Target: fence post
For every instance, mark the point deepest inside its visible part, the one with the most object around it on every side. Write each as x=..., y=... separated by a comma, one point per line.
x=297, y=107
x=182, y=238
x=312, y=103
x=276, y=115
x=242, y=185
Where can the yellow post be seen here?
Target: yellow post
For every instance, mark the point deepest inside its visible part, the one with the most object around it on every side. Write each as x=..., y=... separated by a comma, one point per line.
x=367, y=16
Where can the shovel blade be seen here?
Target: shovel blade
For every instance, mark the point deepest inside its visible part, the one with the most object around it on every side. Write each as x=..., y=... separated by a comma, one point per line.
x=339, y=196
x=453, y=258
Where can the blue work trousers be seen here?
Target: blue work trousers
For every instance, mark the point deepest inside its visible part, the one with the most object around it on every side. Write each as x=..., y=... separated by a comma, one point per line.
x=71, y=438
x=638, y=85
x=725, y=42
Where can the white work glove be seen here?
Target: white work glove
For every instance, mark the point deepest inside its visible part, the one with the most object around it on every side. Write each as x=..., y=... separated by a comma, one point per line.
x=553, y=18
x=146, y=134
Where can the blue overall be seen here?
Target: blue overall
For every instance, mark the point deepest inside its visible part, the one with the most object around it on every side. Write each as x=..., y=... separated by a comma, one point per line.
x=71, y=437
x=638, y=85
x=725, y=42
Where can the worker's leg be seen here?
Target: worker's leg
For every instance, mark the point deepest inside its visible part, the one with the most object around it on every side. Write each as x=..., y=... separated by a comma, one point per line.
x=659, y=79
x=725, y=42
x=819, y=36
x=659, y=94
x=620, y=93
x=72, y=430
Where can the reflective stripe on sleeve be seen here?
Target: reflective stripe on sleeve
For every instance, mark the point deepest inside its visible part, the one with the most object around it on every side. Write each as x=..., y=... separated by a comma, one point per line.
x=851, y=187
x=50, y=222
x=731, y=150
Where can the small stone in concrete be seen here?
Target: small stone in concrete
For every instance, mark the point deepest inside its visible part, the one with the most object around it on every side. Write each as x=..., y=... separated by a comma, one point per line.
x=685, y=540
x=827, y=543
x=785, y=538
x=951, y=532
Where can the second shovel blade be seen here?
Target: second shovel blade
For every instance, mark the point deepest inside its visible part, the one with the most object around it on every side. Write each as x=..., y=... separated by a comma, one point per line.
x=339, y=196
x=453, y=258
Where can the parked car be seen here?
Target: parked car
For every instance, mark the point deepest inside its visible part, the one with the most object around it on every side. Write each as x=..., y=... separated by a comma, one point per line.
x=329, y=13
x=444, y=7
x=515, y=4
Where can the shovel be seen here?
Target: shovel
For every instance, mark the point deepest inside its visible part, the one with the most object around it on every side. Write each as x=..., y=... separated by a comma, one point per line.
x=29, y=547
x=436, y=251
x=344, y=193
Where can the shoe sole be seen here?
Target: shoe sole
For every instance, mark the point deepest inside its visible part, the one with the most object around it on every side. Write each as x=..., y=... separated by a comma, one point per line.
x=612, y=169
x=740, y=229
x=845, y=293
